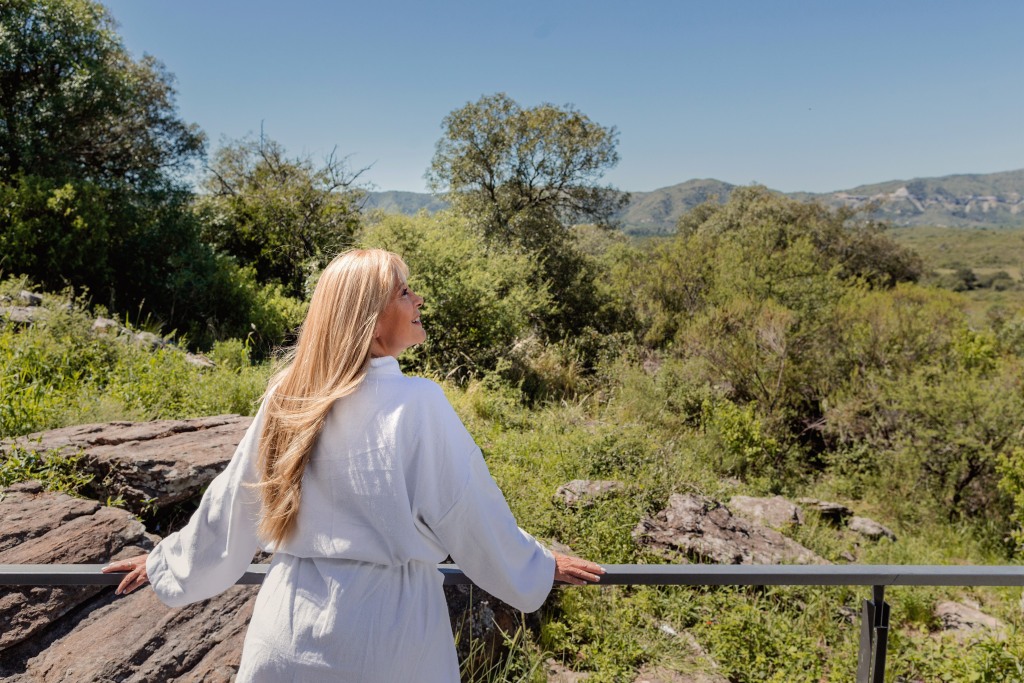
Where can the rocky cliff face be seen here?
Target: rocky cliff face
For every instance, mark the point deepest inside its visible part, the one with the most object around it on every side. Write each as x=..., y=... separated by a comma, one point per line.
x=907, y=205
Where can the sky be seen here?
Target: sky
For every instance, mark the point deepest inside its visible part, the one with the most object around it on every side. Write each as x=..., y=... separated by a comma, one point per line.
x=798, y=95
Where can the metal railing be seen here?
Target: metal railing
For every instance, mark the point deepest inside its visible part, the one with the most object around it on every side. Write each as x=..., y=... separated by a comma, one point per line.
x=874, y=614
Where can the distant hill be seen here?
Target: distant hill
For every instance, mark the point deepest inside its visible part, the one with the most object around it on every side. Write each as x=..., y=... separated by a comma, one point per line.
x=968, y=200
x=408, y=203
x=653, y=213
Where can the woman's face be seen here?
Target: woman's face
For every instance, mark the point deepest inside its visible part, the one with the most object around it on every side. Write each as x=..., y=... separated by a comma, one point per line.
x=399, y=326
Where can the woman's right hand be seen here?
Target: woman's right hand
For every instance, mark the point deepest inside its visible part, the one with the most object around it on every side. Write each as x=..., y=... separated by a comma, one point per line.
x=136, y=568
x=576, y=570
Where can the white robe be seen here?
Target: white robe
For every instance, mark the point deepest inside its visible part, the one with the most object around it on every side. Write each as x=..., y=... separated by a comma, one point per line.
x=394, y=484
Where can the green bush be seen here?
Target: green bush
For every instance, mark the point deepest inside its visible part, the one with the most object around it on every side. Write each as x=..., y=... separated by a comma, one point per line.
x=59, y=372
x=478, y=305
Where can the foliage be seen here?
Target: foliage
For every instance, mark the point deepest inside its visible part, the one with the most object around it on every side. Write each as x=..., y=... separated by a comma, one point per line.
x=522, y=177
x=284, y=217
x=76, y=106
x=477, y=305
x=62, y=473
x=520, y=173
x=59, y=372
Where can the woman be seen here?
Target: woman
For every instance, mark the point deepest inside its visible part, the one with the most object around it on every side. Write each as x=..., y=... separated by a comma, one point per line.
x=359, y=480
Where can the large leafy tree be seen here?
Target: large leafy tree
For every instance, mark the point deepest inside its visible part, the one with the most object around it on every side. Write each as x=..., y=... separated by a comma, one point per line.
x=287, y=217
x=525, y=174
x=74, y=105
x=92, y=158
x=524, y=177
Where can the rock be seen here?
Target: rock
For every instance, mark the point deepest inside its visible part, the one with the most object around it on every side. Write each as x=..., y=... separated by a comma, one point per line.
x=480, y=623
x=104, y=325
x=24, y=315
x=560, y=673
x=698, y=526
x=956, y=616
x=835, y=513
x=136, y=638
x=149, y=339
x=42, y=527
x=30, y=298
x=660, y=674
x=776, y=512
x=148, y=463
x=199, y=360
x=869, y=528
x=583, y=493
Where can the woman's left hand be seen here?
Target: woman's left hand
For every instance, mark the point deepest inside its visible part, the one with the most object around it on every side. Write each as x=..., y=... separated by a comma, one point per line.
x=136, y=568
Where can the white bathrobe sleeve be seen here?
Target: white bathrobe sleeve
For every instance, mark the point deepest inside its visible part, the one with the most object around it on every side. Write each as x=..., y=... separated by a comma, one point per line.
x=214, y=549
x=477, y=527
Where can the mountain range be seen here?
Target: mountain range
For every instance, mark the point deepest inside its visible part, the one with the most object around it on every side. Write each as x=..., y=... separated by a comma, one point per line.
x=965, y=200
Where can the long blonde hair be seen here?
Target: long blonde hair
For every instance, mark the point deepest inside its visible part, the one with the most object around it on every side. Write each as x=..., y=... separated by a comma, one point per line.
x=329, y=361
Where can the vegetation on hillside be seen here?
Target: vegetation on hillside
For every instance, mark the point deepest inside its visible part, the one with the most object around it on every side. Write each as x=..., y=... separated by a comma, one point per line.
x=768, y=346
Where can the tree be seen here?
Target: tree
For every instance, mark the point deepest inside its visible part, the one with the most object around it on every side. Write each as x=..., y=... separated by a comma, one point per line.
x=286, y=217
x=524, y=175
x=74, y=105
x=92, y=157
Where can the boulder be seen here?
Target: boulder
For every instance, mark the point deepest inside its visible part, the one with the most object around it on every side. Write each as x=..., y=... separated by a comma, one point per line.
x=775, y=512
x=42, y=527
x=480, y=623
x=583, y=493
x=693, y=525
x=869, y=528
x=147, y=463
x=30, y=298
x=956, y=616
x=103, y=325
x=835, y=513
x=24, y=315
x=150, y=340
x=136, y=638
x=199, y=360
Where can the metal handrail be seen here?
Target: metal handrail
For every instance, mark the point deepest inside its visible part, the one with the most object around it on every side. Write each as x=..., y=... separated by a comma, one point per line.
x=628, y=574
x=874, y=613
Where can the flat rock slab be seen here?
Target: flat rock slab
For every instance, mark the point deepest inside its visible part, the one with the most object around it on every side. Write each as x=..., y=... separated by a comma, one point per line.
x=956, y=616
x=583, y=493
x=835, y=513
x=155, y=463
x=869, y=528
x=693, y=525
x=41, y=527
x=775, y=512
x=137, y=639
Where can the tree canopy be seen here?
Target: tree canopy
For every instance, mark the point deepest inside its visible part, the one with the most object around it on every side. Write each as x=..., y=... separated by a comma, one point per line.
x=74, y=105
x=287, y=217
x=522, y=173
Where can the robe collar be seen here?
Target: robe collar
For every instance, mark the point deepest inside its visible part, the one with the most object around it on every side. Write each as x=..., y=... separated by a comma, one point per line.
x=384, y=365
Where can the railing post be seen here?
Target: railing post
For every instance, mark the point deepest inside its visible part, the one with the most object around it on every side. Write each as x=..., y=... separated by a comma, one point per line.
x=874, y=638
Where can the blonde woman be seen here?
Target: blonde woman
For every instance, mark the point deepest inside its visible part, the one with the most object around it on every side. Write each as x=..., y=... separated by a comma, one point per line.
x=359, y=480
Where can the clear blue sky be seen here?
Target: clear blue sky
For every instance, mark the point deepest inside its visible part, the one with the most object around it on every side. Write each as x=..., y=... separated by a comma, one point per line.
x=809, y=95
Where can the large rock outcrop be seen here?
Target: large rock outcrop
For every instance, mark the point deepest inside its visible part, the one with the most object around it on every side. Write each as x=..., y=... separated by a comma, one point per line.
x=136, y=639
x=695, y=526
x=149, y=464
x=775, y=512
x=41, y=527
